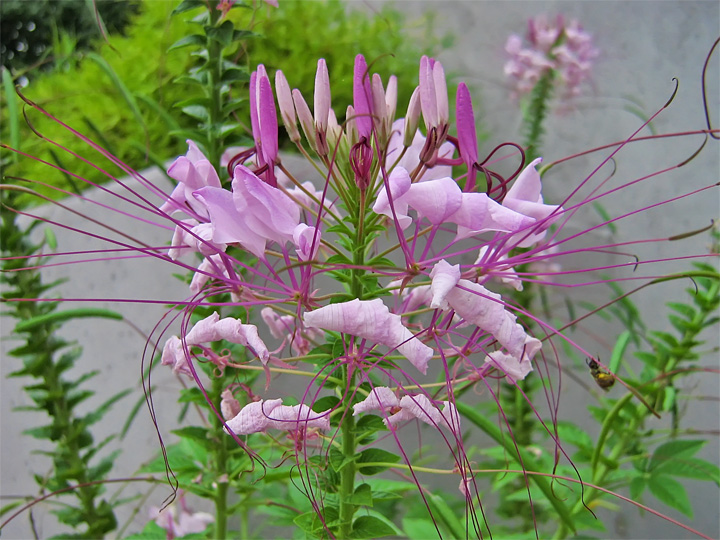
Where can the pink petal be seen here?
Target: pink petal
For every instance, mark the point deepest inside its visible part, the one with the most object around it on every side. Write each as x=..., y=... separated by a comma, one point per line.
x=485, y=309
x=421, y=407
x=253, y=417
x=399, y=184
x=371, y=320
x=213, y=328
x=444, y=278
x=268, y=211
x=267, y=117
x=307, y=242
x=514, y=369
x=436, y=200
x=412, y=118
x=478, y=213
x=174, y=355
x=298, y=417
x=229, y=224
x=380, y=398
x=441, y=95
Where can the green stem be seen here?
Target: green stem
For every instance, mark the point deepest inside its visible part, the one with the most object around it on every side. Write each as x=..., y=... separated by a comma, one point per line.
x=347, y=474
x=220, y=464
x=214, y=72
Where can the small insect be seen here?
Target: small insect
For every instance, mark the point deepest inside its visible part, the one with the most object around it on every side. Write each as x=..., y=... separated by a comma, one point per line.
x=603, y=379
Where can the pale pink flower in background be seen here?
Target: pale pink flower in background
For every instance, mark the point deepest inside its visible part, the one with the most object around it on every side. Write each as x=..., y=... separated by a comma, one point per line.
x=179, y=520
x=553, y=45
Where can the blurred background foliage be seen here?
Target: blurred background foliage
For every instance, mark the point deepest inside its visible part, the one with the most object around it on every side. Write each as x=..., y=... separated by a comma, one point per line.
x=121, y=90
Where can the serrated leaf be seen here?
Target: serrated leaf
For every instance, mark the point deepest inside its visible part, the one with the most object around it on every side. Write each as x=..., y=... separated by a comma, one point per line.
x=670, y=492
x=370, y=527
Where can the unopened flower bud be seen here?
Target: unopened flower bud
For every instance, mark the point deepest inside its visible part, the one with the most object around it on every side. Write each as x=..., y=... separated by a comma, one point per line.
x=287, y=108
x=305, y=117
x=412, y=118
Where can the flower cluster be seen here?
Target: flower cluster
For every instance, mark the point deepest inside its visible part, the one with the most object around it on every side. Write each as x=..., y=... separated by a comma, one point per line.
x=557, y=47
x=267, y=239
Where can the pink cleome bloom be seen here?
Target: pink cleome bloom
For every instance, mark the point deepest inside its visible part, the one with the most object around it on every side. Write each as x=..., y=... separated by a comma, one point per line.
x=564, y=48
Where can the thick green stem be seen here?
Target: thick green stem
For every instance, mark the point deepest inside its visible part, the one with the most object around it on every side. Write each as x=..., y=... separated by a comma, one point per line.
x=214, y=85
x=220, y=464
x=347, y=474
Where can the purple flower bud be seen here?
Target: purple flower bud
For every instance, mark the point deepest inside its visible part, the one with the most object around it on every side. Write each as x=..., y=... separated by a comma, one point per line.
x=362, y=98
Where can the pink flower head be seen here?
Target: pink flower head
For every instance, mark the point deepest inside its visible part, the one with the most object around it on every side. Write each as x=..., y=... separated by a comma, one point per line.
x=252, y=214
x=554, y=45
x=371, y=320
x=262, y=415
x=192, y=172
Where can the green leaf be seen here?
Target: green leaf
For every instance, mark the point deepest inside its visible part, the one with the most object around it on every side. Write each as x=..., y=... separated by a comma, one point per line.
x=674, y=451
x=637, y=486
x=447, y=516
x=325, y=403
x=98, y=413
x=56, y=317
x=619, y=351
x=192, y=39
x=695, y=468
x=223, y=34
x=338, y=461
x=195, y=433
x=10, y=506
x=187, y=5
x=197, y=111
x=370, y=527
x=375, y=455
x=671, y=492
x=528, y=461
x=418, y=529
x=362, y=496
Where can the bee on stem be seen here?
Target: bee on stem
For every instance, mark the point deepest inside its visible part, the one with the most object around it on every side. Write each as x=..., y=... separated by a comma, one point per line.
x=604, y=379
